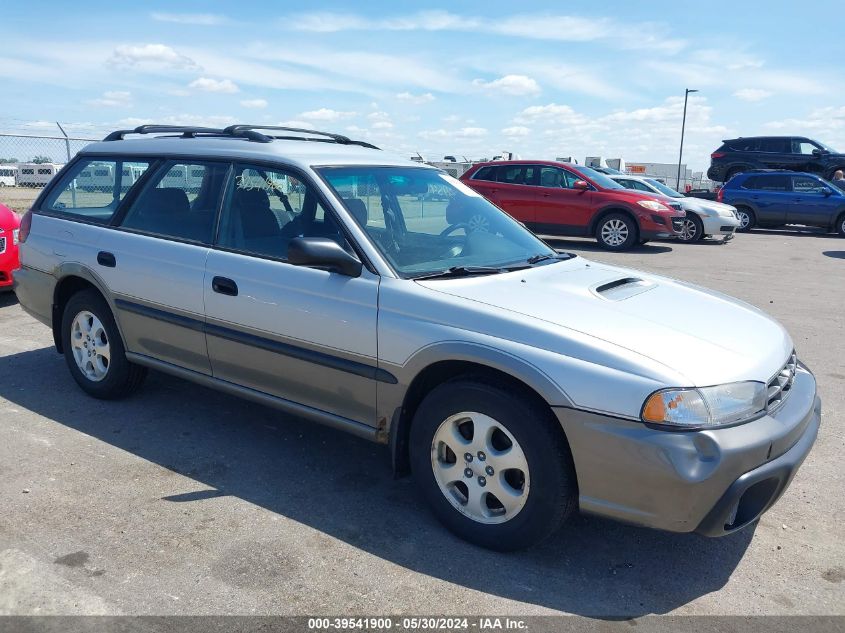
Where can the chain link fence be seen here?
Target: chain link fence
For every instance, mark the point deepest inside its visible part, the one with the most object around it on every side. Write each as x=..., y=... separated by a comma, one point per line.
x=28, y=162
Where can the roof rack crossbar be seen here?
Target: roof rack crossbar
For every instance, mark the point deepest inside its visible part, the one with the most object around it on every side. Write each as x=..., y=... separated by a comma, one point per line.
x=249, y=132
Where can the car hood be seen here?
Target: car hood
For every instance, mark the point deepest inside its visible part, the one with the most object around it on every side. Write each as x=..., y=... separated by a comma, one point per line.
x=703, y=336
x=712, y=205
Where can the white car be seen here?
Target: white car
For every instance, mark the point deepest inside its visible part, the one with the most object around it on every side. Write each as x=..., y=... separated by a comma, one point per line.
x=704, y=217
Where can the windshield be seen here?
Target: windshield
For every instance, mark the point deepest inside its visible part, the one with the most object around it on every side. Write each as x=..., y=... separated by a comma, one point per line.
x=424, y=221
x=666, y=191
x=603, y=181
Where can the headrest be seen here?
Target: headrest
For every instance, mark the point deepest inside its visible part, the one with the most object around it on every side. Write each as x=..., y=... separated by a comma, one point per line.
x=358, y=209
x=251, y=199
x=165, y=201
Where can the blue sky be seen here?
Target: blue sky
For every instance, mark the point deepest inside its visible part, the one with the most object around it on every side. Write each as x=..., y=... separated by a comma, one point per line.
x=542, y=79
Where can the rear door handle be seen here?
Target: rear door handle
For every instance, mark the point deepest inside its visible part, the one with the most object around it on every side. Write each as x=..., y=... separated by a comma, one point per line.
x=224, y=286
x=106, y=259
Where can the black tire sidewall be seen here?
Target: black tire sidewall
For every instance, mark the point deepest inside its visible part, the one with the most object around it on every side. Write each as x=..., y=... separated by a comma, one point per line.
x=553, y=490
x=633, y=232
x=117, y=377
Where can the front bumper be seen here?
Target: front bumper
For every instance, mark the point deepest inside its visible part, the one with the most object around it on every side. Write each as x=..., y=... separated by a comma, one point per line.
x=711, y=481
x=8, y=263
x=719, y=225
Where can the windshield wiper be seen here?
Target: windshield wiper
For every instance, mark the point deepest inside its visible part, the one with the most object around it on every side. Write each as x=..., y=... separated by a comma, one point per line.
x=535, y=259
x=468, y=271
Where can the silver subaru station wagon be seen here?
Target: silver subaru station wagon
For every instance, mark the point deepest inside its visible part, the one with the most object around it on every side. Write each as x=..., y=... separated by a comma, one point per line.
x=321, y=276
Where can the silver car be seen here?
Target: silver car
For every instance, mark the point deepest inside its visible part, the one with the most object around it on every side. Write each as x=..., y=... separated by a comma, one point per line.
x=704, y=217
x=315, y=274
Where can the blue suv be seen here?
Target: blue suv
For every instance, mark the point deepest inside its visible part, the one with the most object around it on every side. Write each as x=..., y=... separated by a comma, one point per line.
x=775, y=198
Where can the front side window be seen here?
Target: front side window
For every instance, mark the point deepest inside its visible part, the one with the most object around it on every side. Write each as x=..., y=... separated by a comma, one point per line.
x=517, y=174
x=804, y=184
x=804, y=148
x=180, y=201
x=554, y=178
x=420, y=233
x=266, y=208
x=93, y=189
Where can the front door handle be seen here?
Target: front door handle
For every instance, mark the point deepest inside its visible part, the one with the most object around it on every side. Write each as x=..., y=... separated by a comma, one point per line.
x=106, y=259
x=224, y=286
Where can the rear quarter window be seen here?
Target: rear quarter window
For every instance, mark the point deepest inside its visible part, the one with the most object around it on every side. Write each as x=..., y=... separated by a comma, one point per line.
x=92, y=189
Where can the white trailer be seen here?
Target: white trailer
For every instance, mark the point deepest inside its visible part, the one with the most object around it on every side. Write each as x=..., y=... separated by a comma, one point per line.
x=37, y=174
x=8, y=175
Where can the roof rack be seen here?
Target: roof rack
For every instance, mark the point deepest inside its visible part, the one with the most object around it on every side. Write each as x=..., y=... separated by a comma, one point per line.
x=247, y=132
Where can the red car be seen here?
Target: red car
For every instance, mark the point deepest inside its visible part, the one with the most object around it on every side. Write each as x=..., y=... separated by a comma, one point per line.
x=554, y=198
x=9, y=225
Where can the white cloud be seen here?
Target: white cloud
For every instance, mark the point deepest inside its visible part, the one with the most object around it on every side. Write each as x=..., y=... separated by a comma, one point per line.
x=207, y=84
x=182, y=119
x=294, y=123
x=382, y=125
x=199, y=19
x=752, y=94
x=516, y=131
x=155, y=55
x=461, y=134
x=516, y=85
x=113, y=99
x=551, y=113
x=254, y=103
x=327, y=114
x=564, y=28
x=426, y=97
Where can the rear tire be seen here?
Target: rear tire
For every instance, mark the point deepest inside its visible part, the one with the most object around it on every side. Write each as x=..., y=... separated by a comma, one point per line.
x=692, y=229
x=617, y=232
x=472, y=441
x=747, y=219
x=94, y=351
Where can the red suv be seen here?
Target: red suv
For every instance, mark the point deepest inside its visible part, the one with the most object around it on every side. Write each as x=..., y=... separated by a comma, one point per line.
x=562, y=199
x=9, y=225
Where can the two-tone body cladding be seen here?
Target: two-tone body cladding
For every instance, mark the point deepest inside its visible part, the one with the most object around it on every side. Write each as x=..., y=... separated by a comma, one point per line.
x=328, y=280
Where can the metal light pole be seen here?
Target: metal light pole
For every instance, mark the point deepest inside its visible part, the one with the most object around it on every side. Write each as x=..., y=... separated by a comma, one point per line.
x=683, y=125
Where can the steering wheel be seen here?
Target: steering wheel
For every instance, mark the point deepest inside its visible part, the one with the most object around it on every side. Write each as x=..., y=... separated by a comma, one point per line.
x=454, y=227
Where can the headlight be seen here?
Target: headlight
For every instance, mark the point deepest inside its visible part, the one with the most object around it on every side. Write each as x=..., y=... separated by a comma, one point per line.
x=705, y=406
x=653, y=205
x=15, y=234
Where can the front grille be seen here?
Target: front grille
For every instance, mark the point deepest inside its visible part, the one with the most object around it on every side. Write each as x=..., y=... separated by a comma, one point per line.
x=2, y=244
x=780, y=385
x=677, y=224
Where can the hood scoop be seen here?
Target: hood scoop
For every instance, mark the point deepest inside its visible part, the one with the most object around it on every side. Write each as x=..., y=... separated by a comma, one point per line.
x=623, y=288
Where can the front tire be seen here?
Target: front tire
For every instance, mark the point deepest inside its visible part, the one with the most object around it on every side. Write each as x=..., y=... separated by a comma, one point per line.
x=617, y=232
x=747, y=219
x=493, y=465
x=692, y=229
x=840, y=225
x=94, y=351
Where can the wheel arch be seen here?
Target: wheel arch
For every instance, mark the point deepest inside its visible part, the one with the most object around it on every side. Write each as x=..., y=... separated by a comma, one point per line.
x=606, y=211
x=533, y=385
x=73, y=278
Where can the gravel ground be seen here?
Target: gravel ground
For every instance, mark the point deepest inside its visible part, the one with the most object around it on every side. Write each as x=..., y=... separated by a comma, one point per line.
x=181, y=500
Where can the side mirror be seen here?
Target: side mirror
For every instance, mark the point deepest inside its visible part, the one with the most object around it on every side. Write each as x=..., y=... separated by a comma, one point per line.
x=827, y=192
x=581, y=185
x=321, y=252
x=817, y=152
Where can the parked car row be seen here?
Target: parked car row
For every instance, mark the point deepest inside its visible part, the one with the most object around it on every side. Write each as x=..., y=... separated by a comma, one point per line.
x=515, y=383
x=553, y=198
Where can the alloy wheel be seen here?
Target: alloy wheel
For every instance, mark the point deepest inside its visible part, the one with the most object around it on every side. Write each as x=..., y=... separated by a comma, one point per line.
x=90, y=346
x=744, y=218
x=689, y=231
x=480, y=467
x=614, y=232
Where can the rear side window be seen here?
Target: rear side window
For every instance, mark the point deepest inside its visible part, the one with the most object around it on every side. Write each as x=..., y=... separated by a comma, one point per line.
x=93, y=189
x=776, y=145
x=767, y=183
x=744, y=145
x=180, y=202
x=486, y=173
x=518, y=174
